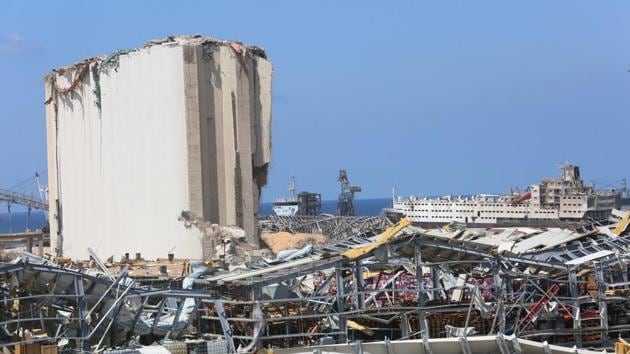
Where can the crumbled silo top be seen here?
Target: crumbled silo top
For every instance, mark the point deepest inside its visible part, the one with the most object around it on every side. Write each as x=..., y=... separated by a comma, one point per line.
x=97, y=64
x=197, y=39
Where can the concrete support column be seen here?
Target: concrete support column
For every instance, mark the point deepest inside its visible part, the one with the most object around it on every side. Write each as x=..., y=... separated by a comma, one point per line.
x=193, y=130
x=244, y=113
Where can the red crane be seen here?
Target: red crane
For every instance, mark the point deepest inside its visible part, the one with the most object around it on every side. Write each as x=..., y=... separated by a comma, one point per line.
x=521, y=198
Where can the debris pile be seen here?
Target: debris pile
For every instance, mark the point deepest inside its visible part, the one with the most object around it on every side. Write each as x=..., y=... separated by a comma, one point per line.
x=547, y=286
x=280, y=241
x=333, y=226
x=221, y=244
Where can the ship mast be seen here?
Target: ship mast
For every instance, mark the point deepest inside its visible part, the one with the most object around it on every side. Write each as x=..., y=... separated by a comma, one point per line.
x=292, y=188
x=393, y=196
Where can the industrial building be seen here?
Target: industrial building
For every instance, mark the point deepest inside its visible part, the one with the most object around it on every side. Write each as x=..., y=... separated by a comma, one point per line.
x=141, y=136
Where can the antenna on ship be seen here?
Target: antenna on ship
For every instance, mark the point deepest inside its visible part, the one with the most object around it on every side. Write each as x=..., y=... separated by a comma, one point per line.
x=292, y=188
x=393, y=196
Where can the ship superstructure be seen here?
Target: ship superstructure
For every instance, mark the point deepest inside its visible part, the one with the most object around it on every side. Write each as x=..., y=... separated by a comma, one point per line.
x=304, y=203
x=563, y=199
x=287, y=206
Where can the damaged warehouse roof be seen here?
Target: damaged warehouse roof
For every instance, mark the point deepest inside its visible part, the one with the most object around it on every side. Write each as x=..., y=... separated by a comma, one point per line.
x=403, y=283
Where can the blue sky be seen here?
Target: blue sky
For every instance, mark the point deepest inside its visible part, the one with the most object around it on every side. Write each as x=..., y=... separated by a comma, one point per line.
x=432, y=97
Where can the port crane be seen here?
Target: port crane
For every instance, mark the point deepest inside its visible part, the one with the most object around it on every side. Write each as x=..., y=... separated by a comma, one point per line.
x=11, y=197
x=345, y=202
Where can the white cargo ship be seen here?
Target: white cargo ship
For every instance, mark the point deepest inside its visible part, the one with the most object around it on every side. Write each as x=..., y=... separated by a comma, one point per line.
x=286, y=206
x=563, y=199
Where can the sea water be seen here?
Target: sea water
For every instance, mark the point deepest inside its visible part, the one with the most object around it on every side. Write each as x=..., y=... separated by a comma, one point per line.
x=20, y=221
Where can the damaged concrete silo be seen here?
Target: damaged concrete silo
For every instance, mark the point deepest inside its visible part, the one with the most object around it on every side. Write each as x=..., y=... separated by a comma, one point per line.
x=134, y=139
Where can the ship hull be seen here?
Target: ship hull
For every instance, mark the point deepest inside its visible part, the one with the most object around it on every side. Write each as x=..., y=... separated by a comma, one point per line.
x=550, y=203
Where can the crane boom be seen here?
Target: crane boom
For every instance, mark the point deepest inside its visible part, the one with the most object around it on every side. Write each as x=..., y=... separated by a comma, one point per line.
x=345, y=202
x=11, y=197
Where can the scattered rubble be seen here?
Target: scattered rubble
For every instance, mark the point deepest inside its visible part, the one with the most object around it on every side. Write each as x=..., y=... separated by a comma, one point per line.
x=221, y=244
x=508, y=286
x=280, y=241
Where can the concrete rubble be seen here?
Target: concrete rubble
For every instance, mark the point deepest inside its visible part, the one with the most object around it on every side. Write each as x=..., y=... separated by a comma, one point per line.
x=515, y=289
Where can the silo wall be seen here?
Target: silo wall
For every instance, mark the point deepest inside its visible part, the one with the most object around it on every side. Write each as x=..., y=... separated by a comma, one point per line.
x=138, y=137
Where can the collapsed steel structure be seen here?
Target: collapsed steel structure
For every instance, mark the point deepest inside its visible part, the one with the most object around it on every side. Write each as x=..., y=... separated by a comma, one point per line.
x=406, y=283
x=334, y=226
